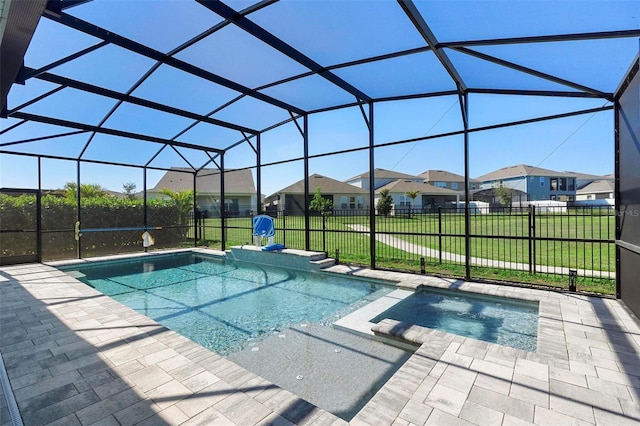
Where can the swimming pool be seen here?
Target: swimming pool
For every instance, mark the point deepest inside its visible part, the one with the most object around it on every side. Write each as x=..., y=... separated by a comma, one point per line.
x=220, y=304
x=505, y=321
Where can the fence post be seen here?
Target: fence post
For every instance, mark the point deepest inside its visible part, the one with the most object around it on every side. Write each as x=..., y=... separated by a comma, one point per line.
x=324, y=228
x=439, y=234
x=573, y=274
x=530, y=227
x=532, y=239
x=284, y=226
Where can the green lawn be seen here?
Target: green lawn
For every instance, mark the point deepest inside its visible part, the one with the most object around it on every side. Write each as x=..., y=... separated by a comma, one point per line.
x=555, y=245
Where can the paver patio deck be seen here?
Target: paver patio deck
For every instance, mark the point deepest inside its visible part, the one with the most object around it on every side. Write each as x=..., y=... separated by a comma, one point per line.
x=75, y=356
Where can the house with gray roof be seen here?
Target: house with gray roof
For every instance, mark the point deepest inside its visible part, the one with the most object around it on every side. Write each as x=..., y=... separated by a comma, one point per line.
x=584, y=179
x=346, y=198
x=239, y=190
x=446, y=179
x=597, y=190
x=381, y=177
x=538, y=183
x=429, y=197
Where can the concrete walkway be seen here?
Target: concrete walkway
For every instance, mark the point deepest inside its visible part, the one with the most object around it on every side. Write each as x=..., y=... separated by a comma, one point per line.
x=76, y=357
x=392, y=241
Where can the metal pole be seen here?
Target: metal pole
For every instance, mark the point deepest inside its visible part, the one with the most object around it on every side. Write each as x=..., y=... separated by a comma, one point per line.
x=144, y=202
x=618, y=222
x=439, y=234
x=78, y=213
x=530, y=239
x=39, y=214
x=223, y=212
x=195, y=213
x=307, y=234
x=372, y=211
x=467, y=211
x=258, y=175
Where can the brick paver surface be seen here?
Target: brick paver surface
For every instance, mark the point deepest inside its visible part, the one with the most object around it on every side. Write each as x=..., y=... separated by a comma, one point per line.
x=74, y=356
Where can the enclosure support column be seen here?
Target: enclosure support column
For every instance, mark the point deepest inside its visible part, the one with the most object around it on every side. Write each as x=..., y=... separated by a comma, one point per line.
x=78, y=213
x=616, y=121
x=372, y=211
x=144, y=201
x=39, y=214
x=258, y=175
x=305, y=137
x=223, y=210
x=467, y=212
x=195, y=213
x=144, y=198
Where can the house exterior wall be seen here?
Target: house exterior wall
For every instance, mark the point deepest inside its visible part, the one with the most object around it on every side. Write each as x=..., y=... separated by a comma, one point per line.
x=293, y=204
x=454, y=185
x=539, y=187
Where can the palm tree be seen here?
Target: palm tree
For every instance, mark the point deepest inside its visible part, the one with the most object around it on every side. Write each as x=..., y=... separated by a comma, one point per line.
x=413, y=195
x=183, y=200
x=87, y=190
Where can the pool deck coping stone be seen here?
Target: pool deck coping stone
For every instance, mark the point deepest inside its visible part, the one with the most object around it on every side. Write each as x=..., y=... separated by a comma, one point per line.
x=75, y=356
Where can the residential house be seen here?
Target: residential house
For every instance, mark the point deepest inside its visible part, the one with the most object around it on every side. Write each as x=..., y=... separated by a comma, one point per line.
x=597, y=190
x=445, y=179
x=429, y=197
x=536, y=182
x=344, y=197
x=240, y=193
x=381, y=177
x=583, y=179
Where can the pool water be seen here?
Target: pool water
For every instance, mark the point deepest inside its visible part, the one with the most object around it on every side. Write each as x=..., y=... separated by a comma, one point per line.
x=221, y=305
x=505, y=321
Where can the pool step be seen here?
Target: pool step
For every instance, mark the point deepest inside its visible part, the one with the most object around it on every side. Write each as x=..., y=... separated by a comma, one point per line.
x=322, y=263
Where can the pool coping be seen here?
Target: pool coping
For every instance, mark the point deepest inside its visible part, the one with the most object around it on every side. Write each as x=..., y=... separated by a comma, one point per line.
x=585, y=371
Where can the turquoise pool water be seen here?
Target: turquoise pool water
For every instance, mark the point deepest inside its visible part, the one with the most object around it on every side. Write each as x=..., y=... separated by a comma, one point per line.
x=509, y=322
x=221, y=305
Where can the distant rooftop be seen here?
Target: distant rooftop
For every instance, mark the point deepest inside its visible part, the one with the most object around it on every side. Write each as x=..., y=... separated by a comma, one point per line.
x=521, y=170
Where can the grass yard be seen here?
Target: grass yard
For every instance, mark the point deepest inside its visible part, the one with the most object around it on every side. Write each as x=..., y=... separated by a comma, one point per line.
x=577, y=241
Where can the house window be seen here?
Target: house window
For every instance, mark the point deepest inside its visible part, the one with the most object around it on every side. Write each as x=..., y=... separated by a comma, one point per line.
x=440, y=184
x=353, y=202
x=541, y=180
x=405, y=201
x=454, y=185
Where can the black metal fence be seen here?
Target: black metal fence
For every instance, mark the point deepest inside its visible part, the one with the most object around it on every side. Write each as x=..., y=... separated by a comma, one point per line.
x=536, y=245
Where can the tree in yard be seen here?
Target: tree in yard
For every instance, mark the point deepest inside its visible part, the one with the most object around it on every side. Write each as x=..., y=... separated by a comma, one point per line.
x=129, y=190
x=183, y=200
x=504, y=195
x=385, y=203
x=413, y=195
x=87, y=190
x=325, y=207
x=320, y=204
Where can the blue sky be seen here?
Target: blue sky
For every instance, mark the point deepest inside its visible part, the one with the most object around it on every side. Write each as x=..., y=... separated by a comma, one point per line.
x=329, y=32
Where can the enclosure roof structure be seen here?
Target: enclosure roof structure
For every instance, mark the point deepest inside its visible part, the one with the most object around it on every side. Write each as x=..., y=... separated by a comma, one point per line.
x=198, y=80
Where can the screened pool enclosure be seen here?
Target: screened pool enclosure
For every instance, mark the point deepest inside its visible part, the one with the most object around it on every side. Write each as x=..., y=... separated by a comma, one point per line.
x=187, y=118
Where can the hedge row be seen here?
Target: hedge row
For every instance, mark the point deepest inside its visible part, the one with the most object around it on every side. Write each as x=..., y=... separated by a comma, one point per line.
x=59, y=216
